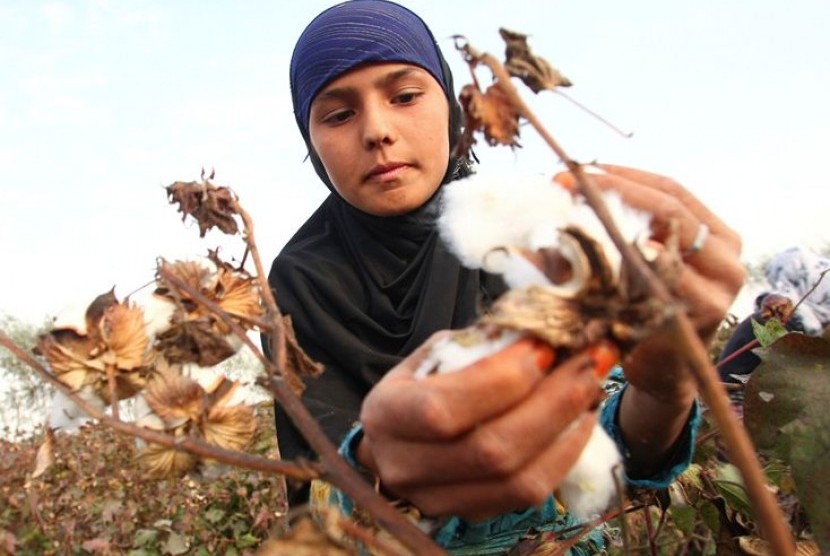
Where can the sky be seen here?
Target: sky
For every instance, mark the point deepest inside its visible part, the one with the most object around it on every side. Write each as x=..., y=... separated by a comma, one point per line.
x=104, y=103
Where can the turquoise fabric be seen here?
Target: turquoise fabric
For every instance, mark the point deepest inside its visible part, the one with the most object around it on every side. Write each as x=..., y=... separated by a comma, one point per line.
x=496, y=536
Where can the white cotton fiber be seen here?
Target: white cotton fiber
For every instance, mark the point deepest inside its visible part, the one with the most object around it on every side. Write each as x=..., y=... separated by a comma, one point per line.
x=480, y=214
x=589, y=488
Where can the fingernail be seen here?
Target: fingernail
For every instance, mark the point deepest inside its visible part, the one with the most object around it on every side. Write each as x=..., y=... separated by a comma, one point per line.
x=605, y=356
x=566, y=180
x=544, y=354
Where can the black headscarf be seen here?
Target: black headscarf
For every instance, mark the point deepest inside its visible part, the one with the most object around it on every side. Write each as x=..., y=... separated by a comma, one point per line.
x=364, y=291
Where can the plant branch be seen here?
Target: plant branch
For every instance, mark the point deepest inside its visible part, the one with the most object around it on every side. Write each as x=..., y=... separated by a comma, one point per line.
x=338, y=472
x=304, y=471
x=277, y=330
x=770, y=516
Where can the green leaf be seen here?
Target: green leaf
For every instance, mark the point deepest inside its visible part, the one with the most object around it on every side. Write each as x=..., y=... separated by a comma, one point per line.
x=710, y=515
x=769, y=332
x=176, y=544
x=684, y=518
x=144, y=537
x=214, y=515
x=729, y=484
x=785, y=413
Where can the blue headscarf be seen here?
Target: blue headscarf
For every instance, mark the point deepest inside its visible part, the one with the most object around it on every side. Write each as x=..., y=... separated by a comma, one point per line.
x=353, y=33
x=359, y=32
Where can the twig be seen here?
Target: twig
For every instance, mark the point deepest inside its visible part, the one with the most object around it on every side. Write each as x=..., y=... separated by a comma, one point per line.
x=277, y=335
x=650, y=530
x=811, y=290
x=343, y=476
x=303, y=472
x=770, y=516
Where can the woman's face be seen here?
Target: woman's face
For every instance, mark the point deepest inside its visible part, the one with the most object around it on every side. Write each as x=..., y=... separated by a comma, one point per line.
x=382, y=133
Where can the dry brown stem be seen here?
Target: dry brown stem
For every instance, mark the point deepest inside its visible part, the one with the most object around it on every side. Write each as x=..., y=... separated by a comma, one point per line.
x=338, y=472
x=742, y=452
x=273, y=314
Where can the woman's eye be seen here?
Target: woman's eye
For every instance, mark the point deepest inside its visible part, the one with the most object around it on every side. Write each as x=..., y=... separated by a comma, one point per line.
x=338, y=117
x=407, y=97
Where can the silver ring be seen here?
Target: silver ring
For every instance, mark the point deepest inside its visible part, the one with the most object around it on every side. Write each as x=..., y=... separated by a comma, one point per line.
x=700, y=239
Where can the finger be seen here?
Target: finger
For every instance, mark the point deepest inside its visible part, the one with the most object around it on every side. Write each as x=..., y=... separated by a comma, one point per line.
x=500, y=447
x=477, y=500
x=446, y=405
x=674, y=190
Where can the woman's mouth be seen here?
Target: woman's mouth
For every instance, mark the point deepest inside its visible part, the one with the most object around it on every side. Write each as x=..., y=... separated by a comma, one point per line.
x=383, y=173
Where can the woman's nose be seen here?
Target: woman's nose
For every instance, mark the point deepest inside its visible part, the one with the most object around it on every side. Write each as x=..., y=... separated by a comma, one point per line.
x=378, y=128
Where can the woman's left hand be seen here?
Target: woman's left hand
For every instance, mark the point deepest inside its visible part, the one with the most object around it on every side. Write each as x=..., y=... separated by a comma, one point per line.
x=662, y=388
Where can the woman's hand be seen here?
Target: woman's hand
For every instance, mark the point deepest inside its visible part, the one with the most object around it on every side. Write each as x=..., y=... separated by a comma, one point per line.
x=495, y=436
x=656, y=406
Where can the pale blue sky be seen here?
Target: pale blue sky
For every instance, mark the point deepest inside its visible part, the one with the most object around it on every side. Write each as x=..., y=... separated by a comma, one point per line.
x=103, y=103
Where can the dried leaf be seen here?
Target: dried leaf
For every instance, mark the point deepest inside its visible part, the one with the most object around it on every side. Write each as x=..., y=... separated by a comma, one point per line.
x=45, y=454
x=536, y=72
x=756, y=546
x=195, y=274
x=176, y=399
x=491, y=113
x=208, y=204
x=8, y=542
x=231, y=428
x=96, y=545
x=115, y=340
x=297, y=359
x=238, y=295
x=194, y=342
x=165, y=462
x=122, y=330
x=306, y=538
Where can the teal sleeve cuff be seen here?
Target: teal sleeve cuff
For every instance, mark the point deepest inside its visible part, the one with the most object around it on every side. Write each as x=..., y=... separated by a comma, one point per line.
x=683, y=450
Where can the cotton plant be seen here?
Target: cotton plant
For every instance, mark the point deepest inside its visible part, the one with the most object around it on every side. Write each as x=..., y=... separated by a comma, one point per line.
x=162, y=355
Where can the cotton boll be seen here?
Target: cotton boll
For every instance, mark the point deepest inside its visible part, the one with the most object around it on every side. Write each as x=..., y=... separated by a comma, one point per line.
x=464, y=348
x=589, y=487
x=480, y=214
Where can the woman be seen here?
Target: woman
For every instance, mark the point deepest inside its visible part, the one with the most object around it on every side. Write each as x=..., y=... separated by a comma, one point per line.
x=368, y=284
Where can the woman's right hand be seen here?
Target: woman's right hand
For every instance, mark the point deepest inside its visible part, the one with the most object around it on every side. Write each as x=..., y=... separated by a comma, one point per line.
x=496, y=436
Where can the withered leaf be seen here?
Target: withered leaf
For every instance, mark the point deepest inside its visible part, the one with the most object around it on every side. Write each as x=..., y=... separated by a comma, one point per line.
x=491, y=113
x=45, y=454
x=163, y=462
x=208, y=204
x=194, y=342
x=122, y=330
x=231, y=428
x=306, y=538
x=237, y=294
x=298, y=360
x=534, y=71
x=175, y=399
x=114, y=339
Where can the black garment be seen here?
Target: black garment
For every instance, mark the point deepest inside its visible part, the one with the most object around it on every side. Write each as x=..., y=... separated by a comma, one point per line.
x=363, y=292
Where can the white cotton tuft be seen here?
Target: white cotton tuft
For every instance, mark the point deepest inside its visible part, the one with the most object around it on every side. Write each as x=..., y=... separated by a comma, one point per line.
x=480, y=214
x=634, y=226
x=589, y=489
x=448, y=355
x=66, y=415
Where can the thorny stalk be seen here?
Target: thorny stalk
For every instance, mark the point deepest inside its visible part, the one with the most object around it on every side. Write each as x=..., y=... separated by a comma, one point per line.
x=299, y=471
x=771, y=519
x=337, y=471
